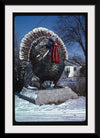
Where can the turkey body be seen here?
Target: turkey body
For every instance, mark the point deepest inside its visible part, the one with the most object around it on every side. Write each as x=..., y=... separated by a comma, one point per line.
x=37, y=48
x=46, y=69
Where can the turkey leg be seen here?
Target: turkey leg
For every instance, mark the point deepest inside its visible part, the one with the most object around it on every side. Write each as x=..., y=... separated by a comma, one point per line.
x=57, y=85
x=41, y=85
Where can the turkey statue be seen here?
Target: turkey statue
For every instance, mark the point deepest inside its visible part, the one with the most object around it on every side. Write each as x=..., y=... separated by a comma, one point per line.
x=45, y=53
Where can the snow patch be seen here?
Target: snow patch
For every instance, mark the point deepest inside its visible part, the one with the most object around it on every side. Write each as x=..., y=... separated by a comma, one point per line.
x=70, y=110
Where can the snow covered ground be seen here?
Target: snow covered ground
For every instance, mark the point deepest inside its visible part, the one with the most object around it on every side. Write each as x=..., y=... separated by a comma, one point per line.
x=70, y=110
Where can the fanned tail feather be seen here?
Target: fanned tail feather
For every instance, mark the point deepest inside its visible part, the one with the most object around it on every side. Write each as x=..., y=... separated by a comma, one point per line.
x=32, y=37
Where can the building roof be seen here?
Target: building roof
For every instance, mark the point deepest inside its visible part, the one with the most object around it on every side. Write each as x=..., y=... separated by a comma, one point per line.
x=71, y=63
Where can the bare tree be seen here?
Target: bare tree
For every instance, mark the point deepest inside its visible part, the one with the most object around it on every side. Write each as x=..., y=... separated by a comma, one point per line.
x=72, y=29
x=78, y=59
x=18, y=69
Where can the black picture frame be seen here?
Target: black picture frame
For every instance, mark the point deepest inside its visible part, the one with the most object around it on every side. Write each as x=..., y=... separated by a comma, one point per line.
x=97, y=10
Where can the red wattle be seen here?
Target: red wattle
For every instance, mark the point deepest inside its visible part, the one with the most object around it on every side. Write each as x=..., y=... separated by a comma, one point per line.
x=55, y=53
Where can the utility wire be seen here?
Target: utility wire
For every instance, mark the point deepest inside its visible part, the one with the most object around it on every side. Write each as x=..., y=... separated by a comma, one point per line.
x=41, y=21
